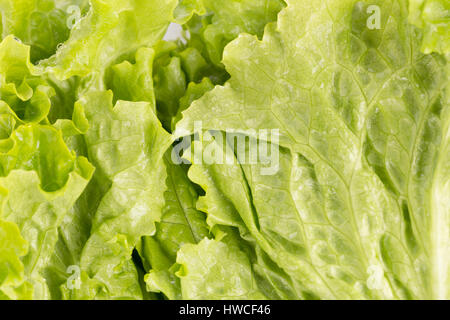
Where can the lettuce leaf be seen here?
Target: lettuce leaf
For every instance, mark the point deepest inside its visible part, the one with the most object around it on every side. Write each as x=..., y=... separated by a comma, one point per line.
x=180, y=224
x=349, y=98
x=363, y=120
x=42, y=25
x=434, y=17
x=22, y=88
x=40, y=181
x=126, y=144
x=11, y=268
x=109, y=31
x=196, y=59
x=219, y=23
x=205, y=266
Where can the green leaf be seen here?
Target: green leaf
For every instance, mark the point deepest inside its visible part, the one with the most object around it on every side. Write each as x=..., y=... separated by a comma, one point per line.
x=176, y=69
x=363, y=128
x=179, y=64
x=169, y=80
x=433, y=16
x=187, y=8
x=126, y=144
x=225, y=21
x=180, y=224
x=193, y=92
x=350, y=99
x=21, y=87
x=13, y=246
x=41, y=24
x=215, y=270
x=109, y=31
x=41, y=180
x=133, y=82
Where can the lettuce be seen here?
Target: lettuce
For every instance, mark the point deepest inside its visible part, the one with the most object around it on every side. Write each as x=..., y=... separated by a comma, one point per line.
x=127, y=166
x=363, y=120
x=42, y=25
x=434, y=18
